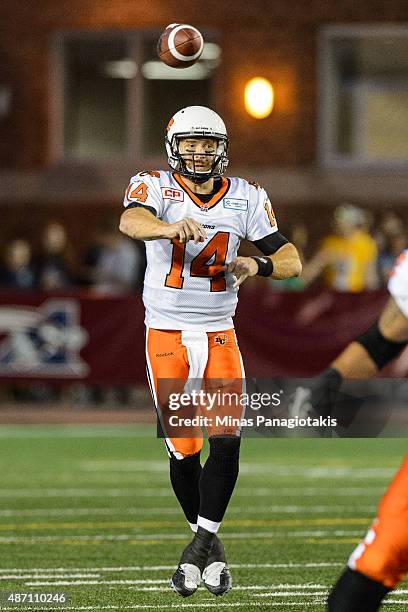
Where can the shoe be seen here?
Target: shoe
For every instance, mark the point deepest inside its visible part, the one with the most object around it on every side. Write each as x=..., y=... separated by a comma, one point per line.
x=216, y=575
x=187, y=577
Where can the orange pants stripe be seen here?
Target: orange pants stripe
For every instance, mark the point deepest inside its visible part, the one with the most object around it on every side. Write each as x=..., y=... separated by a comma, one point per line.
x=383, y=555
x=168, y=371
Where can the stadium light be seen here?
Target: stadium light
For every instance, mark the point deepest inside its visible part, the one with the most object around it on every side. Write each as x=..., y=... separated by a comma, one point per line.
x=258, y=97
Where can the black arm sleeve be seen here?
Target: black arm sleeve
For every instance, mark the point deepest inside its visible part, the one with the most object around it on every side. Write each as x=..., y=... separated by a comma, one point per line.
x=137, y=205
x=270, y=244
x=380, y=349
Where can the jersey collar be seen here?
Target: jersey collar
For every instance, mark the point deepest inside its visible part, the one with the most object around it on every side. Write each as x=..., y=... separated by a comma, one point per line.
x=225, y=185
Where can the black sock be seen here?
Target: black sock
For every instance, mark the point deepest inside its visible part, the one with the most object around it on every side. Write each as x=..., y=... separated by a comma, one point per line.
x=185, y=475
x=354, y=592
x=219, y=476
x=198, y=550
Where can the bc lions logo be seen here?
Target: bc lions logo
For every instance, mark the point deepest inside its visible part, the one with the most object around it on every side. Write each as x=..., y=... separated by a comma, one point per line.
x=42, y=341
x=221, y=339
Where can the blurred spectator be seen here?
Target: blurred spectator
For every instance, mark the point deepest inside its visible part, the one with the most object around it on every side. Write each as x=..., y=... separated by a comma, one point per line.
x=347, y=258
x=52, y=264
x=391, y=239
x=115, y=264
x=17, y=271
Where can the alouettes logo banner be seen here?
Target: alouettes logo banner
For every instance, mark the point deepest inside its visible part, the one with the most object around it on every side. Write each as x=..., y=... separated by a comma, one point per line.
x=42, y=341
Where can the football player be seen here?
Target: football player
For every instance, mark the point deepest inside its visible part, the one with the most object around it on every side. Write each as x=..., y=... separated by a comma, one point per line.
x=381, y=560
x=192, y=219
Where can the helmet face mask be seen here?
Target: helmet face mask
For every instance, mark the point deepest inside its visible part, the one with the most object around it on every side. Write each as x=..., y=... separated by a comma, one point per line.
x=196, y=122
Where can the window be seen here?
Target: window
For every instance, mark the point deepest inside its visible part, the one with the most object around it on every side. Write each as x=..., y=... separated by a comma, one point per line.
x=364, y=96
x=115, y=97
x=95, y=98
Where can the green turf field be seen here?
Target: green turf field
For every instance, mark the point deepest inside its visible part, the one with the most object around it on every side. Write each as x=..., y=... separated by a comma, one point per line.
x=88, y=510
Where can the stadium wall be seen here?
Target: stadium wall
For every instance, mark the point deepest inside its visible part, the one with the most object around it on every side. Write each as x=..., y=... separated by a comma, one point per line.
x=70, y=337
x=287, y=30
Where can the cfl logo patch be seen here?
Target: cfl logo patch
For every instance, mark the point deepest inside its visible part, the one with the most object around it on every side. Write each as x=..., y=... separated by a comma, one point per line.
x=169, y=193
x=221, y=339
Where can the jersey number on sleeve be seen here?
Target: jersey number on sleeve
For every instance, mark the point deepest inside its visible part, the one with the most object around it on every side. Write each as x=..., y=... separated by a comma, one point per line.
x=270, y=213
x=215, y=250
x=138, y=193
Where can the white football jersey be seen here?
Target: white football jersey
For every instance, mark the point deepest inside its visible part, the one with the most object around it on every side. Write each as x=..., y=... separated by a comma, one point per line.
x=186, y=286
x=398, y=283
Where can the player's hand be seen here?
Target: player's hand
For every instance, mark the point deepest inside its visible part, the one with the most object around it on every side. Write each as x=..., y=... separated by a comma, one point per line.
x=185, y=230
x=242, y=268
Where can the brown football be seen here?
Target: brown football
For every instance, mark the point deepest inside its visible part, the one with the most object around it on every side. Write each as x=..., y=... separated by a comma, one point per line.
x=180, y=45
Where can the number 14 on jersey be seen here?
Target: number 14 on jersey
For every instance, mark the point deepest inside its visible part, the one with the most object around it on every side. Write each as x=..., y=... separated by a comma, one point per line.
x=215, y=252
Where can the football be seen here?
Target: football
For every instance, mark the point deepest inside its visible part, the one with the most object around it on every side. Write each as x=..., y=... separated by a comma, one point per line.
x=180, y=45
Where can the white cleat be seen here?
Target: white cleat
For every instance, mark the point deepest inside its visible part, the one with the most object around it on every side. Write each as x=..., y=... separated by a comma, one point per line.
x=216, y=575
x=186, y=579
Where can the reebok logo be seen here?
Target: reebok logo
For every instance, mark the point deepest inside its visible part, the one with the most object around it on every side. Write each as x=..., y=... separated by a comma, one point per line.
x=209, y=226
x=164, y=354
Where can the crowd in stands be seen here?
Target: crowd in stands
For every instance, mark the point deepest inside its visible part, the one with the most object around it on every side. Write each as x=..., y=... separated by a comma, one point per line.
x=355, y=255
x=112, y=264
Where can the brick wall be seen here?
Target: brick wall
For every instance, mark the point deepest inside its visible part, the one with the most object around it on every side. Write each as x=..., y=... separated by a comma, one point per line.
x=276, y=39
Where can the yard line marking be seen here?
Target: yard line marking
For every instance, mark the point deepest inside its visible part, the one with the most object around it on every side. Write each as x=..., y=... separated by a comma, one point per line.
x=151, y=582
x=252, y=468
x=306, y=491
x=332, y=541
x=92, y=582
x=160, y=538
x=292, y=509
x=255, y=587
x=155, y=568
x=326, y=522
x=26, y=576
x=167, y=492
x=88, y=525
x=236, y=535
x=177, y=512
x=102, y=492
x=294, y=594
x=291, y=594
x=177, y=606
x=295, y=522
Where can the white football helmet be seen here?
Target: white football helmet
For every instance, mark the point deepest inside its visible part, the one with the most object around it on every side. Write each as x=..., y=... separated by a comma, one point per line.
x=196, y=121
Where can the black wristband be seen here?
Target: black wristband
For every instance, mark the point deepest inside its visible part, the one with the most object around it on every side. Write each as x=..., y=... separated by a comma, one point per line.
x=265, y=265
